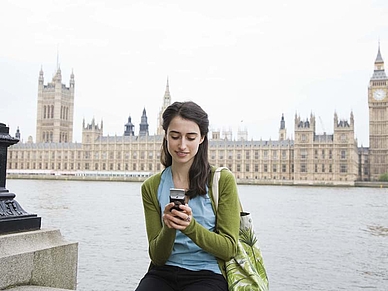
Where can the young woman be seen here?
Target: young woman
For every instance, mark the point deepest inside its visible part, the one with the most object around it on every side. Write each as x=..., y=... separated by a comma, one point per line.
x=188, y=247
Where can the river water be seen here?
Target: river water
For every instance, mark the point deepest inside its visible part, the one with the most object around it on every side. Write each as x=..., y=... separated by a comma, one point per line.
x=312, y=238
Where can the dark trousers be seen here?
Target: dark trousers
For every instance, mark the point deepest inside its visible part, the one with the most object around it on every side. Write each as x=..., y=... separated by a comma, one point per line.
x=170, y=278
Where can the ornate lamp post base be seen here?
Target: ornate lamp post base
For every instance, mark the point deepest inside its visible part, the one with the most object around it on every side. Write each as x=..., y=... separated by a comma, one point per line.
x=13, y=218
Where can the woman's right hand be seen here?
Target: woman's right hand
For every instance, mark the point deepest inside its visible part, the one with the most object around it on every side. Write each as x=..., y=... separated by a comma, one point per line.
x=173, y=218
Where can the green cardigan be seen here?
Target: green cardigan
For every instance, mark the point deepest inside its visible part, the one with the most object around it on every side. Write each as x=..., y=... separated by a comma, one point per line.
x=222, y=243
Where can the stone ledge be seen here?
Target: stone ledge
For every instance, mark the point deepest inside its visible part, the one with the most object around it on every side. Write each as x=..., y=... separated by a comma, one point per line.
x=22, y=242
x=35, y=288
x=38, y=258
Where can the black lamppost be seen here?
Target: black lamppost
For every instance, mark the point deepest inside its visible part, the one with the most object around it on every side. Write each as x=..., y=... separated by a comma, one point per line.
x=13, y=218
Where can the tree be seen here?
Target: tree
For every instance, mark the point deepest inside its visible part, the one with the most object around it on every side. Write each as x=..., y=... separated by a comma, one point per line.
x=383, y=177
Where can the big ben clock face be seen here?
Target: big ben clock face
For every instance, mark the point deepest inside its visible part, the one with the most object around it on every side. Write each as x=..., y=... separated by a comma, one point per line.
x=379, y=94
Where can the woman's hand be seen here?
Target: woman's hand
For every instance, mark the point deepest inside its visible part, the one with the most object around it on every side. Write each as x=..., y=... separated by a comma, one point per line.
x=173, y=218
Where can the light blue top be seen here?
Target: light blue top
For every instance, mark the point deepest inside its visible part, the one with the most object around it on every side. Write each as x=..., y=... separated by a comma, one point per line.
x=186, y=254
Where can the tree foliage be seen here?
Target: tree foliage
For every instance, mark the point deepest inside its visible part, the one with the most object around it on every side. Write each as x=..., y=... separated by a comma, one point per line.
x=383, y=177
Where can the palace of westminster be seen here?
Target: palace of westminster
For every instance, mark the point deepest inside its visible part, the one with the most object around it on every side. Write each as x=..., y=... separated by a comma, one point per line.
x=311, y=158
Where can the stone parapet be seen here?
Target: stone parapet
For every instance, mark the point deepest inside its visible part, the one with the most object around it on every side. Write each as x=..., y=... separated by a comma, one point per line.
x=39, y=258
x=35, y=288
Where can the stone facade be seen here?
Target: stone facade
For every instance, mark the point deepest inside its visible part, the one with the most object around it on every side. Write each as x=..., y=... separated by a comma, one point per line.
x=55, y=110
x=326, y=158
x=311, y=158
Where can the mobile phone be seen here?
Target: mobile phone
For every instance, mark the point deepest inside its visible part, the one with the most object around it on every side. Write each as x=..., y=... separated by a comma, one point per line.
x=178, y=197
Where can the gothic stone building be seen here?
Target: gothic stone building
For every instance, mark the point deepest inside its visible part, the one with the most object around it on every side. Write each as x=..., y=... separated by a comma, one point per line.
x=311, y=158
x=54, y=122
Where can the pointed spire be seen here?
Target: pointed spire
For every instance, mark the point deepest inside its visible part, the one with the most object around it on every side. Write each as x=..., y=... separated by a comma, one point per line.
x=144, y=124
x=57, y=57
x=379, y=72
x=282, y=122
x=167, y=96
x=282, y=129
x=351, y=118
x=379, y=58
x=72, y=79
x=41, y=79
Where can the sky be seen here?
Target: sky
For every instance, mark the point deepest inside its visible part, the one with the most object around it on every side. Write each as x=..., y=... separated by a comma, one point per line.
x=244, y=62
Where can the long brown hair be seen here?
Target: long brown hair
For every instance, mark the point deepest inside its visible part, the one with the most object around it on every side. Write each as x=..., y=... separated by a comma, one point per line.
x=200, y=169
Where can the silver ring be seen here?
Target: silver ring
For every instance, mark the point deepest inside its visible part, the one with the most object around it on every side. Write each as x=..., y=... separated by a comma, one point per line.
x=188, y=218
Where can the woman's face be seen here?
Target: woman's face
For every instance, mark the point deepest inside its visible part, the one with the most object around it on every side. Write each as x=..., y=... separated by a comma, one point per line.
x=183, y=140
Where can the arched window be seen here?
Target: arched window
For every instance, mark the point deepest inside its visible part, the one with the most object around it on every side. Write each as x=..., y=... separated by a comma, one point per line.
x=44, y=112
x=52, y=111
x=67, y=113
x=48, y=111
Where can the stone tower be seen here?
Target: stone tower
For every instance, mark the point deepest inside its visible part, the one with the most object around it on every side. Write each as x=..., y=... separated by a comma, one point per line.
x=345, y=148
x=54, y=120
x=91, y=132
x=378, y=119
x=303, y=150
x=166, y=103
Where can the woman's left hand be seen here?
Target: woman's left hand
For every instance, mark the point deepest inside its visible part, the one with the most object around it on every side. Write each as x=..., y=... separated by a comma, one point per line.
x=173, y=218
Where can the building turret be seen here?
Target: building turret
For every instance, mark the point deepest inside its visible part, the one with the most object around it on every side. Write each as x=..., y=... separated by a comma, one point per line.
x=91, y=132
x=129, y=128
x=143, y=124
x=72, y=79
x=305, y=130
x=17, y=134
x=242, y=134
x=351, y=119
x=282, y=129
x=41, y=79
x=216, y=134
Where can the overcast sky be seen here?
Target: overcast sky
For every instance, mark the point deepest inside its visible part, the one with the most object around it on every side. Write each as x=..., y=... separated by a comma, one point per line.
x=245, y=62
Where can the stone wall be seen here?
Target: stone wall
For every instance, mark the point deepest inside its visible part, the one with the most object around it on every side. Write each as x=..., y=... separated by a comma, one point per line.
x=39, y=258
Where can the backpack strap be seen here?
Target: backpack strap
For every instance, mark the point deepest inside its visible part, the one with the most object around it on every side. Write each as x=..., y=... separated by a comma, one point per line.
x=216, y=179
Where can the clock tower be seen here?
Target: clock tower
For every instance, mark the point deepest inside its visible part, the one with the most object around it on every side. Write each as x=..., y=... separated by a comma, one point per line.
x=378, y=119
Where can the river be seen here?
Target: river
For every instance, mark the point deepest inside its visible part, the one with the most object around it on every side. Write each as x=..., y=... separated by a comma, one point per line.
x=312, y=238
